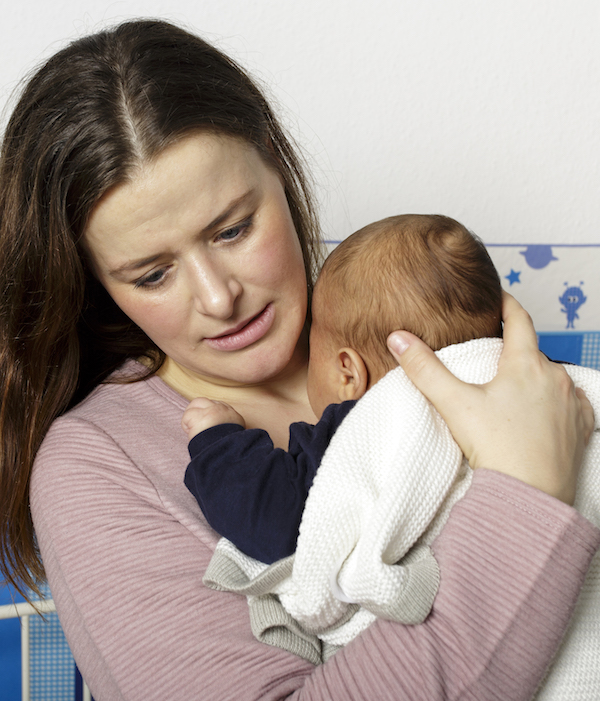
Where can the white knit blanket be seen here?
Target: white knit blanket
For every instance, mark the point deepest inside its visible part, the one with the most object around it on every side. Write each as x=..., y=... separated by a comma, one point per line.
x=382, y=493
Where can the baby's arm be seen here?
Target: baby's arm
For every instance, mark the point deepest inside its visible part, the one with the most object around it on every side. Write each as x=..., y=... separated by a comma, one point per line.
x=205, y=413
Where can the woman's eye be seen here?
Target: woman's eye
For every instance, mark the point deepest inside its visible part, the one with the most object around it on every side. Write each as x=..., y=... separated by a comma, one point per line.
x=153, y=279
x=235, y=231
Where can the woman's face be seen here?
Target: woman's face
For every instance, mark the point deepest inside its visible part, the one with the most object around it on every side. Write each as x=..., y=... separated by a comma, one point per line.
x=200, y=251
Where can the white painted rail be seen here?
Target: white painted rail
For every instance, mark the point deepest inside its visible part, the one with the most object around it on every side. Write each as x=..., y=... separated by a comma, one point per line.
x=23, y=611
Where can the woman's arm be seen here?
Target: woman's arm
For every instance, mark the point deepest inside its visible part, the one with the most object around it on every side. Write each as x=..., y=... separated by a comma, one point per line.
x=508, y=555
x=125, y=568
x=125, y=559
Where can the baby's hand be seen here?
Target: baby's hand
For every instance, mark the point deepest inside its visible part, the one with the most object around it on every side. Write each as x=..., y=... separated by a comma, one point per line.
x=205, y=413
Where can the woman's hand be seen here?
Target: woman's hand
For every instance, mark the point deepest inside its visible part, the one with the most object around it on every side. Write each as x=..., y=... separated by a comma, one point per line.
x=528, y=422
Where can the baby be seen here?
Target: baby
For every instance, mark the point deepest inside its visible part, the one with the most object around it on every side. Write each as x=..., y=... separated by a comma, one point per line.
x=422, y=273
x=391, y=473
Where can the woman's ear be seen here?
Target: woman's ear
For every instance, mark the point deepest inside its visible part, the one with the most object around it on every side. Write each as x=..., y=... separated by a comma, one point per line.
x=353, y=375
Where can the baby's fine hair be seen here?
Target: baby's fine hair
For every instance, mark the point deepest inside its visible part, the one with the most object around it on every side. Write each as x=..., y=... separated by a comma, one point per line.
x=426, y=274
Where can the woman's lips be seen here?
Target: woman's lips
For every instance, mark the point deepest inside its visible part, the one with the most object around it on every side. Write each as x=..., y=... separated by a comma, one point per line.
x=251, y=332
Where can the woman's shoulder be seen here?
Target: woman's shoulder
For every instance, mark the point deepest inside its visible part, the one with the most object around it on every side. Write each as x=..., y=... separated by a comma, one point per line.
x=121, y=451
x=121, y=410
x=123, y=393
x=121, y=434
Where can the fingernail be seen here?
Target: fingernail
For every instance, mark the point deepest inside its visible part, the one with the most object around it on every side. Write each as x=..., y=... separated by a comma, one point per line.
x=397, y=342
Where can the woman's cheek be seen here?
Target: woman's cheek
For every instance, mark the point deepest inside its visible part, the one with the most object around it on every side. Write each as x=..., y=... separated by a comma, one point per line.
x=157, y=318
x=283, y=265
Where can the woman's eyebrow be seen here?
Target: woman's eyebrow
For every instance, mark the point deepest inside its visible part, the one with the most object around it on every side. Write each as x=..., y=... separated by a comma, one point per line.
x=134, y=265
x=234, y=205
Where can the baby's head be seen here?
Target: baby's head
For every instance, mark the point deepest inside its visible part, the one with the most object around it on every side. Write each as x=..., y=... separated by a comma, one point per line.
x=425, y=274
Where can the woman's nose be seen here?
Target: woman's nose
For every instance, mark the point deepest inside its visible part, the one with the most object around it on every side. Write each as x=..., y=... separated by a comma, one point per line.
x=215, y=290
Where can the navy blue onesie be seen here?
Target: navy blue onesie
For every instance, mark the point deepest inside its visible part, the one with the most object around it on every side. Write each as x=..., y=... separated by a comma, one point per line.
x=253, y=493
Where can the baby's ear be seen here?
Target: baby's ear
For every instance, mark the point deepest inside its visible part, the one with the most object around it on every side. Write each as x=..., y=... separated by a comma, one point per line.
x=353, y=375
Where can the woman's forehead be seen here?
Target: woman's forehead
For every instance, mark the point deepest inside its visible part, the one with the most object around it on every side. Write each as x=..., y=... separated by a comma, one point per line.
x=193, y=188
x=195, y=182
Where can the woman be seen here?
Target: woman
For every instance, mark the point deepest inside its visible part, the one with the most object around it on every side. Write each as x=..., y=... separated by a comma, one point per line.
x=154, y=214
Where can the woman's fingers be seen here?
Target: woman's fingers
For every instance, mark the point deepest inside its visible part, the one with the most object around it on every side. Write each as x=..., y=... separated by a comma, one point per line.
x=519, y=334
x=529, y=422
x=457, y=402
x=588, y=417
x=426, y=371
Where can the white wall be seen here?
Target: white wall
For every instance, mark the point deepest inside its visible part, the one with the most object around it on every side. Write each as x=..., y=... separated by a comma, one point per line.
x=488, y=111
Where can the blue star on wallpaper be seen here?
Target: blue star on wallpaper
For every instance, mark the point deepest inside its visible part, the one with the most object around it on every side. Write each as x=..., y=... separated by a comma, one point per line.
x=513, y=276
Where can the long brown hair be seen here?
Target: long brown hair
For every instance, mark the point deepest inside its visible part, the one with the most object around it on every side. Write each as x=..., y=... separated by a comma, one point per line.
x=94, y=111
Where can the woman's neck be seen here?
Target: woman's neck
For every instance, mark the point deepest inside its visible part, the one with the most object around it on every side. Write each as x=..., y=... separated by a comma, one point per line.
x=271, y=405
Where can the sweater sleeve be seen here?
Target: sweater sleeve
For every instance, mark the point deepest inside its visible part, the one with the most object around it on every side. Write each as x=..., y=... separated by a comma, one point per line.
x=126, y=578
x=252, y=493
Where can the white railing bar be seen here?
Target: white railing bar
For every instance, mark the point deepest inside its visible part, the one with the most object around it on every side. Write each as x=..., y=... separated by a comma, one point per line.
x=25, y=666
x=25, y=609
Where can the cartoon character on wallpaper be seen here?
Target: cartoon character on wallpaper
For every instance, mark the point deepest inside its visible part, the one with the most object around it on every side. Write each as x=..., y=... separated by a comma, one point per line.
x=538, y=256
x=571, y=300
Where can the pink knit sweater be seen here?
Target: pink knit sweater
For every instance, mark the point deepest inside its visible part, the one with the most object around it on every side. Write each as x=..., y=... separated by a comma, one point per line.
x=125, y=547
